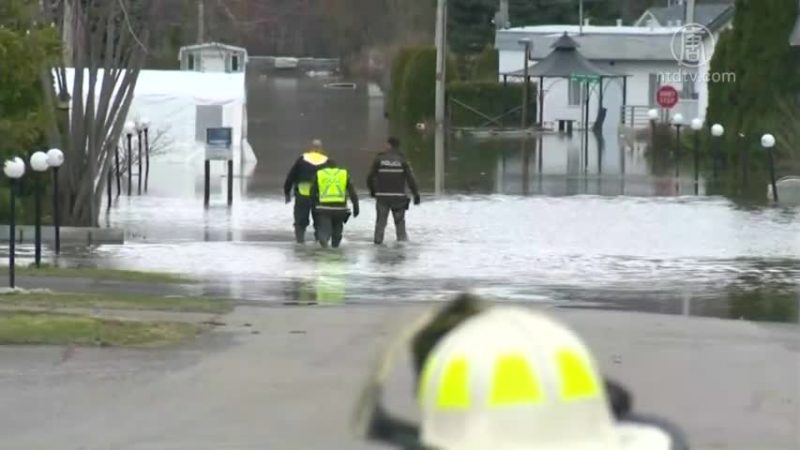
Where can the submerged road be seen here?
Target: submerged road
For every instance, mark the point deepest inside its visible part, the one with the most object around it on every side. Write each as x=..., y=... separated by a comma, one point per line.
x=729, y=385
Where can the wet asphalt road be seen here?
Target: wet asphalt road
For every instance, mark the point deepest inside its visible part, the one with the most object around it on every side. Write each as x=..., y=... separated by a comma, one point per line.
x=730, y=385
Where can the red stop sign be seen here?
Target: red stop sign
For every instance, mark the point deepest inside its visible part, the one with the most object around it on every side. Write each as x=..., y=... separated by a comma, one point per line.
x=667, y=97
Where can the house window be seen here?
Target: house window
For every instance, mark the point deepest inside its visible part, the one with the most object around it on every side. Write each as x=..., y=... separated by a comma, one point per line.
x=235, y=63
x=655, y=83
x=688, y=90
x=575, y=92
x=190, y=62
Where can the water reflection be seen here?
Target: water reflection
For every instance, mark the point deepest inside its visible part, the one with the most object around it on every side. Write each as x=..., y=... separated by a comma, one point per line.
x=537, y=220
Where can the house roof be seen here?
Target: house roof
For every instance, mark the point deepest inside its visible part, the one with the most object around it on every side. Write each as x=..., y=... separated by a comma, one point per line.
x=212, y=45
x=564, y=61
x=597, y=43
x=711, y=15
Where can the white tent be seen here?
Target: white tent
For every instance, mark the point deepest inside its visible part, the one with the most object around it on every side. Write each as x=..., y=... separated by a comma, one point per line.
x=174, y=101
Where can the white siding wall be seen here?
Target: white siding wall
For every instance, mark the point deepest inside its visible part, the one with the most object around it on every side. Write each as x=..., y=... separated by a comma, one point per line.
x=556, y=103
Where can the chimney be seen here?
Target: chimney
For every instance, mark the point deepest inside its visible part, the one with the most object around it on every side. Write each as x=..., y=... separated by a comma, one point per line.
x=619, y=22
x=586, y=22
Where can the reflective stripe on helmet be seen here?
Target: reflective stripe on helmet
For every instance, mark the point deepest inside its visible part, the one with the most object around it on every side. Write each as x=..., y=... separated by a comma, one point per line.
x=578, y=381
x=514, y=382
x=454, y=387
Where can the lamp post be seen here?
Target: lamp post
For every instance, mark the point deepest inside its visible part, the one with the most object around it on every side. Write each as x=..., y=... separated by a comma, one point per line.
x=146, y=129
x=768, y=142
x=14, y=170
x=697, y=125
x=130, y=128
x=39, y=165
x=677, y=121
x=526, y=43
x=55, y=158
x=717, y=131
x=653, y=116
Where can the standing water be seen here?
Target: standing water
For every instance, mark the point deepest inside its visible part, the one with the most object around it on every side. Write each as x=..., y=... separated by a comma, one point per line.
x=538, y=221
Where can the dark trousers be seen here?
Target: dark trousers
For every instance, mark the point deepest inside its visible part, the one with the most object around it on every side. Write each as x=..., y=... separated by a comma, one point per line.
x=330, y=225
x=303, y=210
x=398, y=207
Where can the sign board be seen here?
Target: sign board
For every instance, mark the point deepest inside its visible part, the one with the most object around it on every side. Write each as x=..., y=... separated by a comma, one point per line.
x=219, y=143
x=667, y=97
x=582, y=78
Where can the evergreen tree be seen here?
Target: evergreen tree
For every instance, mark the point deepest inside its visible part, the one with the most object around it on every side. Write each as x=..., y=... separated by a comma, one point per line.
x=765, y=66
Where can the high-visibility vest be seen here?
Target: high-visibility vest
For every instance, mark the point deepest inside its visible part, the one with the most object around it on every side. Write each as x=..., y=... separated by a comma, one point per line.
x=315, y=158
x=332, y=183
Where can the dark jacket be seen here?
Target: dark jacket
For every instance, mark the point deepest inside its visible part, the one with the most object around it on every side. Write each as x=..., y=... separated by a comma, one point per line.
x=351, y=192
x=389, y=175
x=304, y=170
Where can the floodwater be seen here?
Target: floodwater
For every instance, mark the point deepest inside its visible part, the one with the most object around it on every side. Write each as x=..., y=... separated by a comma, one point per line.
x=540, y=221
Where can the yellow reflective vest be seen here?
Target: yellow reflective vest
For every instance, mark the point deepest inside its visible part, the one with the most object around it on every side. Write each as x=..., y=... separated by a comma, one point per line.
x=332, y=184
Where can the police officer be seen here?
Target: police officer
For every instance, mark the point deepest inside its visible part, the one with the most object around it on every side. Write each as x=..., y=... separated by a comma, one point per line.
x=299, y=180
x=330, y=190
x=387, y=180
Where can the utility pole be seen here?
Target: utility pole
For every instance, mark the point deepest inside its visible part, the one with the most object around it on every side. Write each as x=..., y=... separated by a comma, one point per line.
x=690, y=11
x=580, y=17
x=201, y=21
x=441, y=59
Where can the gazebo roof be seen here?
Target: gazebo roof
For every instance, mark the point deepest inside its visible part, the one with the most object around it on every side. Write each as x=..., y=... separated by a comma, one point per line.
x=563, y=62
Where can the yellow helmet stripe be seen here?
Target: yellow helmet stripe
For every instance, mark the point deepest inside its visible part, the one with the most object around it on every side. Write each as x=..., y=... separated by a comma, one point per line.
x=514, y=382
x=454, y=385
x=577, y=378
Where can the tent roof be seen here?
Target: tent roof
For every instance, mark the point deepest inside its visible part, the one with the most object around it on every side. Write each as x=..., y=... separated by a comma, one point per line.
x=203, y=87
x=564, y=61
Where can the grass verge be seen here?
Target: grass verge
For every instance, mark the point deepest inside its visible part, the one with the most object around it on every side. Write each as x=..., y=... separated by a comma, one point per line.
x=104, y=274
x=24, y=328
x=117, y=301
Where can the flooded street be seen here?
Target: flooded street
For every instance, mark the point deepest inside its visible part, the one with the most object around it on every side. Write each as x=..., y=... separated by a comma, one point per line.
x=599, y=228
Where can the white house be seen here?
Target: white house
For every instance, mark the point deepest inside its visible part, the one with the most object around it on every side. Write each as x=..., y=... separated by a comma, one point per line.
x=652, y=53
x=213, y=57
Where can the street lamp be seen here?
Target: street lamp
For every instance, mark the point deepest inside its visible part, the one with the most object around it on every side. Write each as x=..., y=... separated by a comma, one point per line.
x=768, y=142
x=677, y=121
x=653, y=116
x=55, y=158
x=39, y=165
x=14, y=170
x=525, y=42
x=130, y=128
x=697, y=125
x=145, y=122
x=717, y=131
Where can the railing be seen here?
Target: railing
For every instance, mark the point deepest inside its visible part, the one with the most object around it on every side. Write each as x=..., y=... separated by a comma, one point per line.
x=636, y=116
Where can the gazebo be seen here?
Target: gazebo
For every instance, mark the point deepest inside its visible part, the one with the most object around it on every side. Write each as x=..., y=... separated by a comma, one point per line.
x=566, y=62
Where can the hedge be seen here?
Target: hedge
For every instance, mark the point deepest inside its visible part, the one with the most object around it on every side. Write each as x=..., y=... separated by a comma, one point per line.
x=413, y=96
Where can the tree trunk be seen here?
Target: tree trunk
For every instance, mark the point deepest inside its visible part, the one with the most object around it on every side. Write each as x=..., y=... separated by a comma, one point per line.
x=108, y=48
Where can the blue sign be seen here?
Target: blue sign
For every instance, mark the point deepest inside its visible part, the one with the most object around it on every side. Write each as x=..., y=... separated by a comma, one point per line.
x=219, y=143
x=219, y=136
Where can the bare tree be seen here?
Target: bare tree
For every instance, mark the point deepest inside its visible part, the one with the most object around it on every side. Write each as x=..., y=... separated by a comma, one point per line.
x=105, y=41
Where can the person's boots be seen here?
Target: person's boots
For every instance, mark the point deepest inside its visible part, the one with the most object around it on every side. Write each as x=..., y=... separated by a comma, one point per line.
x=400, y=228
x=300, y=234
